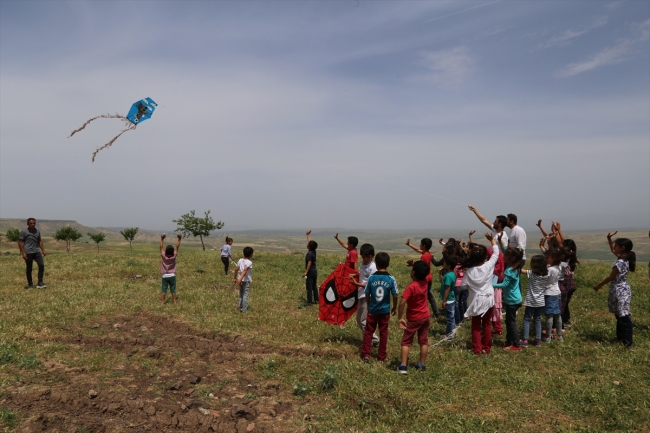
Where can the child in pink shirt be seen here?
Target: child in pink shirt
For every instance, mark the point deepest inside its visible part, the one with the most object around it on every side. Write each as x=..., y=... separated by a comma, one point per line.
x=168, y=268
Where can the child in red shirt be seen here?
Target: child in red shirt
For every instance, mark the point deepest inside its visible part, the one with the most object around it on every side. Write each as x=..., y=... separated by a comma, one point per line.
x=427, y=257
x=417, y=319
x=352, y=257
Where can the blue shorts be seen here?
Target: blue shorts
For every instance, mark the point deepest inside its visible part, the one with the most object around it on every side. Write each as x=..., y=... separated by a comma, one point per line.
x=171, y=282
x=552, y=304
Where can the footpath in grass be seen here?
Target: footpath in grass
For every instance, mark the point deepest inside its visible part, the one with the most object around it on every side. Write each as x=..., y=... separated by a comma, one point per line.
x=305, y=375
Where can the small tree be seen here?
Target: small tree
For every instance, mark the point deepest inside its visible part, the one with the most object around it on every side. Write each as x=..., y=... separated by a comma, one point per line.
x=13, y=235
x=67, y=234
x=129, y=234
x=97, y=238
x=191, y=225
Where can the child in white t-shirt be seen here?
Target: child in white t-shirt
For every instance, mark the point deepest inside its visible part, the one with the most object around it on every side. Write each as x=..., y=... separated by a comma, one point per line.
x=243, y=278
x=366, y=269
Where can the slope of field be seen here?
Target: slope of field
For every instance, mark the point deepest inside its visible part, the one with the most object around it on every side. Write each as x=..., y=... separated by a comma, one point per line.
x=201, y=365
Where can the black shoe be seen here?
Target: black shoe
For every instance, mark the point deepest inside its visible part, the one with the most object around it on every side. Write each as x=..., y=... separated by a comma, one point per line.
x=29, y=287
x=41, y=285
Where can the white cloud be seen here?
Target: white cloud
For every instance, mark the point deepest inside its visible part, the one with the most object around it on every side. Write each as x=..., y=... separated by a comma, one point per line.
x=564, y=37
x=624, y=50
x=449, y=68
x=609, y=56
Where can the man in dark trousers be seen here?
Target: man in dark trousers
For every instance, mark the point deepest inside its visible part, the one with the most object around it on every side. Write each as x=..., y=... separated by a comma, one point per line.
x=29, y=243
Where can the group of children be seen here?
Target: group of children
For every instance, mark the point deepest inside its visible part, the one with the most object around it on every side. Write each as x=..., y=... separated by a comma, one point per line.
x=476, y=282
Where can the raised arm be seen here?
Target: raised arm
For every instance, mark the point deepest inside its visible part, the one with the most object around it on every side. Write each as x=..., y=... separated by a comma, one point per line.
x=559, y=233
x=309, y=237
x=480, y=217
x=471, y=241
x=336, y=236
x=539, y=224
x=611, y=243
x=413, y=247
x=162, y=238
x=178, y=242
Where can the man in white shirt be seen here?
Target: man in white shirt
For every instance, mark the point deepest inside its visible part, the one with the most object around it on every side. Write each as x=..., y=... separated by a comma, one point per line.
x=500, y=223
x=517, y=236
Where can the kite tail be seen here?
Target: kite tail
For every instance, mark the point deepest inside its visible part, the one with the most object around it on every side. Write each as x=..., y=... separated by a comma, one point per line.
x=102, y=116
x=128, y=128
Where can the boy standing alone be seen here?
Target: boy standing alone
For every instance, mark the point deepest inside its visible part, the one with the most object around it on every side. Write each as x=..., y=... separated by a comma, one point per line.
x=29, y=243
x=377, y=290
x=244, y=278
x=417, y=319
x=168, y=268
x=311, y=274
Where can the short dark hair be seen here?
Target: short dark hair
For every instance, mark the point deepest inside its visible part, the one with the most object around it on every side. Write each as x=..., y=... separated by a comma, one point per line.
x=228, y=239
x=538, y=265
x=512, y=217
x=420, y=270
x=312, y=245
x=503, y=221
x=353, y=240
x=382, y=260
x=169, y=251
x=426, y=243
x=31, y=219
x=367, y=250
x=451, y=260
x=248, y=252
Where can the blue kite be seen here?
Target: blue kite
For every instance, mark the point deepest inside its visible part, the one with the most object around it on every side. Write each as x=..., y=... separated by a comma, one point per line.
x=139, y=112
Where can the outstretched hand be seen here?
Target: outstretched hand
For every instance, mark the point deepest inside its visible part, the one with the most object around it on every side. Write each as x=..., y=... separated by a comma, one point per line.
x=179, y=236
x=472, y=208
x=162, y=237
x=539, y=223
x=309, y=232
x=610, y=235
x=336, y=236
x=472, y=232
x=489, y=236
x=408, y=242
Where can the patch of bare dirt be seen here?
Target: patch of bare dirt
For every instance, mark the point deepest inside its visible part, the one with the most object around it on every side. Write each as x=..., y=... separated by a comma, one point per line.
x=167, y=378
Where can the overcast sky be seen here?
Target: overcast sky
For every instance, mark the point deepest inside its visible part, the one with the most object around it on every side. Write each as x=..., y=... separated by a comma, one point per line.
x=353, y=114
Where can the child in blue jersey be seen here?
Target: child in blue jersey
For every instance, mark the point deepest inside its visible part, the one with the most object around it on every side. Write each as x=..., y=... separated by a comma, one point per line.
x=378, y=287
x=447, y=293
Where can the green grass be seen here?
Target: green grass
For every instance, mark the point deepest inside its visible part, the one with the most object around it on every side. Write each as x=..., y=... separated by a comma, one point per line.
x=584, y=384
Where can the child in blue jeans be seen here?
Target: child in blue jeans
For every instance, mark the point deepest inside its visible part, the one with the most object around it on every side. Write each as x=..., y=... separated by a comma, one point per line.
x=168, y=268
x=534, y=302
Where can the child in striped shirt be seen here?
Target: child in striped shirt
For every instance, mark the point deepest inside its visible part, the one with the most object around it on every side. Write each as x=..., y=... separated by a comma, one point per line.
x=534, y=302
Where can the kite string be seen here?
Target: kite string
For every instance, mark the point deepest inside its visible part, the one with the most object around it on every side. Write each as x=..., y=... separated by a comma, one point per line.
x=101, y=116
x=128, y=128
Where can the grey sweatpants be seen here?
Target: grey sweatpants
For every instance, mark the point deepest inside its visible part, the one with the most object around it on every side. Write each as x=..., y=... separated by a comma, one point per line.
x=244, y=289
x=362, y=315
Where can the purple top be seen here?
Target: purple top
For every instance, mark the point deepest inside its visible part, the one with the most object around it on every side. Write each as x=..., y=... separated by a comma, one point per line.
x=168, y=264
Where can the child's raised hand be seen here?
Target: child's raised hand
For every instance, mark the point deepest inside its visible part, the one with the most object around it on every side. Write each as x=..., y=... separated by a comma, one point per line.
x=472, y=208
x=610, y=235
x=336, y=236
x=440, y=241
x=309, y=232
x=539, y=223
x=402, y=323
x=162, y=237
x=179, y=236
x=472, y=232
x=408, y=242
x=409, y=262
x=489, y=236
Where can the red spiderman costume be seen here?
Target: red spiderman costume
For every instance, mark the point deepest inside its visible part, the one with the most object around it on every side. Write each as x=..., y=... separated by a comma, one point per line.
x=338, y=297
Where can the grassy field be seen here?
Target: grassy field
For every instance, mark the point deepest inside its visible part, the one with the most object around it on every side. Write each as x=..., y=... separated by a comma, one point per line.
x=583, y=384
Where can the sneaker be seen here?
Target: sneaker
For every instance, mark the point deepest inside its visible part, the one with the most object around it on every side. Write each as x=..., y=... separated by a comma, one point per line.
x=560, y=338
x=420, y=366
x=29, y=287
x=523, y=343
x=375, y=343
x=547, y=340
x=366, y=360
x=402, y=369
x=512, y=348
x=537, y=343
x=41, y=285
